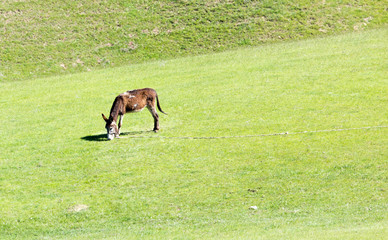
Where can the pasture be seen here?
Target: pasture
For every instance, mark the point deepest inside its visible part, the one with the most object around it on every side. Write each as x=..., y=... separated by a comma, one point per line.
x=214, y=171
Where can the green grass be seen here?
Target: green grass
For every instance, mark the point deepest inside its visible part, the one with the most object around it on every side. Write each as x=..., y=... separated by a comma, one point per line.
x=326, y=185
x=46, y=38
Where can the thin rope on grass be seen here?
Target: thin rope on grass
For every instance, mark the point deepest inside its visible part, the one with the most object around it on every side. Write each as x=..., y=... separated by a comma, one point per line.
x=264, y=135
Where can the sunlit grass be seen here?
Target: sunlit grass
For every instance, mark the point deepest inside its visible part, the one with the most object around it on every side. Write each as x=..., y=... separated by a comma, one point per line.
x=314, y=185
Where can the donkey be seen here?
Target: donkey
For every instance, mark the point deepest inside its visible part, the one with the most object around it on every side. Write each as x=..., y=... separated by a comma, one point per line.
x=131, y=101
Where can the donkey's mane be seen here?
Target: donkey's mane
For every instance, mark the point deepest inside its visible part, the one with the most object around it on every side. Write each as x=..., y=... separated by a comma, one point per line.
x=116, y=108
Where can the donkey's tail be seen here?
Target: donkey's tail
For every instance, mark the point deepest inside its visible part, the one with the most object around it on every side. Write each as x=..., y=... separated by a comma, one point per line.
x=157, y=103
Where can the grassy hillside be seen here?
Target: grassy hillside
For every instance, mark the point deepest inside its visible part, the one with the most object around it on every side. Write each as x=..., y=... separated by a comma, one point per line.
x=40, y=38
x=61, y=180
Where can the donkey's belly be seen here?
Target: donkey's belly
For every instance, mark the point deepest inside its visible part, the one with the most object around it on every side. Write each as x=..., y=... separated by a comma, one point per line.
x=136, y=108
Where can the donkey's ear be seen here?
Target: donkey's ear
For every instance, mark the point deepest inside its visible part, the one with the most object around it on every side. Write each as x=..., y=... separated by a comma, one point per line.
x=103, y=116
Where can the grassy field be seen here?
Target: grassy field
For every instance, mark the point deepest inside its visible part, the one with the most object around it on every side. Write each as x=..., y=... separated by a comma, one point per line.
x=60, y=179
x=45, y=38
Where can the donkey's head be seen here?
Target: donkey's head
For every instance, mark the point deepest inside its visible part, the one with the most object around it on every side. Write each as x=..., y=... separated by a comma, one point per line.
x=111, y=128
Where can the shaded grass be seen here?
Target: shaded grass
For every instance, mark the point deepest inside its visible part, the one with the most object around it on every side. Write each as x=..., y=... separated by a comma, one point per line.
x=46, y=38
x=321, y=185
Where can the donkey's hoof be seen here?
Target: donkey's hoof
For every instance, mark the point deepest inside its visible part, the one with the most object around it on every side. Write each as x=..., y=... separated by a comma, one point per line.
x=156, y=130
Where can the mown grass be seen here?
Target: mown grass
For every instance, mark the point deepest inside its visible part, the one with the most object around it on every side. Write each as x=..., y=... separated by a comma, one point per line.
x=43, y=38
x=328, y=185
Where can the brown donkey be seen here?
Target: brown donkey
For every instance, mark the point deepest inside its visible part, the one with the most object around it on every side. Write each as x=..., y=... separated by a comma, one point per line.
x=131, y=101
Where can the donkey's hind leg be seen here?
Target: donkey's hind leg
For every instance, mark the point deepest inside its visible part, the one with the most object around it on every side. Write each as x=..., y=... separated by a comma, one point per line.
x=156, y=118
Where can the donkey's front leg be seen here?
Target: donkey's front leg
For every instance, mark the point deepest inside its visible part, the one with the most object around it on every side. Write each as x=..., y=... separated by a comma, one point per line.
x=120, y=122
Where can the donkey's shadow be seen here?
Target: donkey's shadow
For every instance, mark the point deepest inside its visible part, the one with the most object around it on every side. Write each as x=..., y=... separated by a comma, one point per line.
x=102, y=137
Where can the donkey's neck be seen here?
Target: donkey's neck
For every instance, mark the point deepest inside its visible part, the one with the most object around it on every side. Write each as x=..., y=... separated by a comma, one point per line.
x=116, y=109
